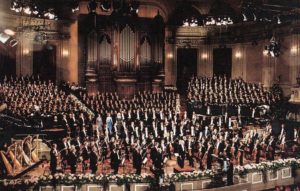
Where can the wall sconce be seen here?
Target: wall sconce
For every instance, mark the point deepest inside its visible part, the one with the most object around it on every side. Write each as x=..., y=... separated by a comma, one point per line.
x=294, y=50
x=65, y=53
x=265, y=52
x=204, y=56
x=26, y=51
x=238, y=55
x=170, y=55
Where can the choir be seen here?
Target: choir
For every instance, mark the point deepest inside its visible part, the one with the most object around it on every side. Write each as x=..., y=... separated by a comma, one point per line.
x=151, y=128
x=219, y=96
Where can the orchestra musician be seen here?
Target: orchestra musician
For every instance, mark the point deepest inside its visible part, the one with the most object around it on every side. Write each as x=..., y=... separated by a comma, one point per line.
x=181, y=152
x=209, y=156
x=257, y=151
x=158, y=165
x=72, y=159
x=53, y=158
x=241, y=150
x=270, y=148
x=115, y=160
x=137, y=160
x=93, y=160
x=229, y=172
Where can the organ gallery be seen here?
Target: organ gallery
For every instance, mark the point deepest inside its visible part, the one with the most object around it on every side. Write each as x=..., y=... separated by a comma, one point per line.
x=149, y=95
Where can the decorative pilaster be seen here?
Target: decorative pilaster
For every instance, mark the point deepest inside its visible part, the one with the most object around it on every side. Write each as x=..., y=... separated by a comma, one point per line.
x=91, y=81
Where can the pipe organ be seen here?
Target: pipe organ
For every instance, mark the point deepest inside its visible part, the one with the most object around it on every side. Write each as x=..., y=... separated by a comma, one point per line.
x=124, y=55
x=145, y=52
x=127, y=50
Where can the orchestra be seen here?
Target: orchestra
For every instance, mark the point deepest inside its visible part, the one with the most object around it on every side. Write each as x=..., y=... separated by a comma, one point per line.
x=147, y=130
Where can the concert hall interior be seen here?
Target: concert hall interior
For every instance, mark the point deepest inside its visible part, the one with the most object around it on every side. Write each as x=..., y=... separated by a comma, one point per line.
x=144, y=95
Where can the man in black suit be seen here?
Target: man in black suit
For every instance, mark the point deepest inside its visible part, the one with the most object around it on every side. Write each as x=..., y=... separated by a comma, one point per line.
x=137, y=160
x=209, y=156
x=77, y=143
x=115, y=160
x=93, y=161
x=53, y=159
x=85, y=152
x=230, y=173
x=158, y=165
x=258, y=150
x=153, y=152
x=181, y=152
x=85, y=155
x=64, y=150
x=72, y=124
x=72, y=159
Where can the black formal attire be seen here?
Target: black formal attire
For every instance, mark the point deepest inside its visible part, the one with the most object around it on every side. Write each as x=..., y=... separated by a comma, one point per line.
x=241, y=157
x=53, y=161
x=137, y=162
x=93, y=162
x=181, y=157
x=115, y=162
x=158, y=164
x=72, y=126
x=257, y=157
x=85, y=154
x=153, y=153
x=230, y=174
x=209, y=158
x=72, y=161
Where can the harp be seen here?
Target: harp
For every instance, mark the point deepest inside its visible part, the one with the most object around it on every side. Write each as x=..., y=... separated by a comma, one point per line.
x=6, y=163
x=25, y=157
x=16, y=163
x=34, y=157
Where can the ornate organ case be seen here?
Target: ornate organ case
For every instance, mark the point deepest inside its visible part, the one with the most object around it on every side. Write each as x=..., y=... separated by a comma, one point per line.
x=123, y=54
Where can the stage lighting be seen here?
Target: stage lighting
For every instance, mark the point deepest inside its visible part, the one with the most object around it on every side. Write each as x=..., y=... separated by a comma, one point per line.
x=40, y=37
x=13, y=42
x=117, y=5
x=274, y=48
x=9, y=32
x=134, y=7
x=92, y=6
x=105, y=5
x=50, y=14
x=4, y=38
x=254, y=17
x=244, y=17
x=35, y=10
x=27, y=10
x=278, y=20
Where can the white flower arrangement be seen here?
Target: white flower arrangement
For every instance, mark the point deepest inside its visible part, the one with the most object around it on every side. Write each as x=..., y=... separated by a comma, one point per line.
x=80, y=179
x=264, y=166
